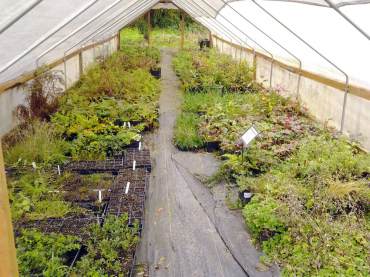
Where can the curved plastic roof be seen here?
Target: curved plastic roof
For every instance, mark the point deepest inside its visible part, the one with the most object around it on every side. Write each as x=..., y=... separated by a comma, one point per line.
x=330, y=37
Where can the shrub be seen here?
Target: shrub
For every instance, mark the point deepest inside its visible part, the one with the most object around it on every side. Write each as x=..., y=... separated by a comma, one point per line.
x=42, y=100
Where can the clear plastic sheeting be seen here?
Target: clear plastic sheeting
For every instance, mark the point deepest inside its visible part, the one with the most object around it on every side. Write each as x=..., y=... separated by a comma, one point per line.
x=323, y=3
x=47, y=17
x=36, y=32
x=322, y=28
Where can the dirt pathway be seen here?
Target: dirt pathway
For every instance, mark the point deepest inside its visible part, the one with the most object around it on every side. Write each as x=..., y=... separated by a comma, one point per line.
x=180, y=237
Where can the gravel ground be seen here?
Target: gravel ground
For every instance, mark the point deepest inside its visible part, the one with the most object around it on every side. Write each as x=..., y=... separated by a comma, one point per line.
x=188, y=229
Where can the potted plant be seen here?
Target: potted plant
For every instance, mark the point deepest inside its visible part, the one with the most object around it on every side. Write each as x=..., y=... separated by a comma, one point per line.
x=245, y=196
x=156, y=71
x=204, y=43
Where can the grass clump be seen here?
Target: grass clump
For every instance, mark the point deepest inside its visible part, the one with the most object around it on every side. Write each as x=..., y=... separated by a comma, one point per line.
x=36, y=143
x=186, y=132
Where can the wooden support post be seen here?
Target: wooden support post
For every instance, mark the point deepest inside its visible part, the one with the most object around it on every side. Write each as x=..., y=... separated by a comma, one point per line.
x=119, y=40
x=81, y=63
x=210, y=39
x=255, y=65
x=9, y=265
x=182, y=29
x=149, y=25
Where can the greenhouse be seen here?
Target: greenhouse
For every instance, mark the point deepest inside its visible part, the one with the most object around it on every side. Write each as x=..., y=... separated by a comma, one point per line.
x=185, y=138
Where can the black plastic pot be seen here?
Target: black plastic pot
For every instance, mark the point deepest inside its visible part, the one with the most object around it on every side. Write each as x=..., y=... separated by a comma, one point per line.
x=204, y=43
x=156, y=72
x=245, y=196
x=212, y=146
x=134, y=144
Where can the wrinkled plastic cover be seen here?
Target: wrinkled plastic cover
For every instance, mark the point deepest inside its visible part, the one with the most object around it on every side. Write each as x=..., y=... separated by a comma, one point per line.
x=337, y=3
x=320, y=26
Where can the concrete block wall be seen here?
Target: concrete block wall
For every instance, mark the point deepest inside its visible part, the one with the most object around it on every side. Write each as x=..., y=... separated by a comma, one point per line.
x=323, y=102
x=11, y=98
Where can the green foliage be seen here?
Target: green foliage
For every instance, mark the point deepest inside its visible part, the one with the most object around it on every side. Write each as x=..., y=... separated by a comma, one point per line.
x=163, y=37
x=166, y=19
x=49, y=208
x=321, y=247
x=260, y=217
x=29, y=197
x=37, y=143
x=325, y=196
x=91, y=123
x=310, y=211
x=44, y=254
x=204, y=70
x=93, y=113
x=186, y=133
x=109, y=248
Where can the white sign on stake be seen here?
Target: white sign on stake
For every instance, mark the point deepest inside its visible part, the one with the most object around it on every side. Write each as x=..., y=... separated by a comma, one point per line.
x=100, y=196
x=249, y=136
x=127, y=187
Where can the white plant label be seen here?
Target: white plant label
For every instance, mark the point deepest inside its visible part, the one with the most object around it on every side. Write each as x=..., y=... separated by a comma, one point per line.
x=134, y=165
x=139, y=145
x=247, y=195
x=59, y=170
x=127, y=187
x=100, y=196
x=249, y=136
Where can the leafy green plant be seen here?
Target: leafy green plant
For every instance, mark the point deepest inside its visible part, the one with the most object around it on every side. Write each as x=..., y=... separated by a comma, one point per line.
x=30, y=197
x=261, y=218
x=49, y=208
x=109, y=248
x=44, y=254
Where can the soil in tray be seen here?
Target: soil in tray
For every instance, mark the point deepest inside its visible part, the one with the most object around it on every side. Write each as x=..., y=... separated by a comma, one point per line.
x=51, y=225
x=141, y=157
x=90, y=167
x=77, y=226
x=77, y=188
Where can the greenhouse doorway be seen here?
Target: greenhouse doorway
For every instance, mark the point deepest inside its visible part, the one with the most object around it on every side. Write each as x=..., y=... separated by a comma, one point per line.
x=164, y=28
